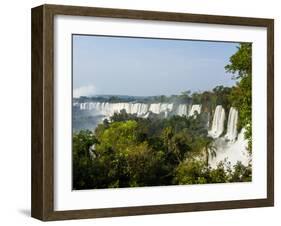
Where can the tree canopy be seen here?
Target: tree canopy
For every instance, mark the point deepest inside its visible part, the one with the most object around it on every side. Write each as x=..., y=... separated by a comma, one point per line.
x=128, y=151
x=241, y=95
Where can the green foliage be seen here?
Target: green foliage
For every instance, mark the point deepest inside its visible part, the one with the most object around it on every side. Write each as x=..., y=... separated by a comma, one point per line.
x=241, y=173
x=127, y=152
x=194, y=171
x=241, y=61
x=185, y=96
x=191, y=172
x=208, y=148
x=241, y=95
x=222, y=96
x=82, y=159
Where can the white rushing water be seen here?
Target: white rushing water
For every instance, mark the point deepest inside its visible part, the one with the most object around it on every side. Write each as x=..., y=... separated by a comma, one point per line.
x=141, y=109
x=182, y=110
x=108, y=109
x=231, y=151
x=231, y=132
x=233, y=146
x=218, y=122
x=195, y=108
x=160, y=107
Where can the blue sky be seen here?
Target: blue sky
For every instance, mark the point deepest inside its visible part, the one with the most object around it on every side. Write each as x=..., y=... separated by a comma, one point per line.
x=145, y=67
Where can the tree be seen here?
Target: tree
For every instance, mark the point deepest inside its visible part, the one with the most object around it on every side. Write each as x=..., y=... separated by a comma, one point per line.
x=241, y=173
x=191, y=171
x=122, y=116
x=196, y=98
x=185, y=96
x=241, y=67
x=241, y=62
x=206, y=144
x=146, y=166
x=82, y=159
x=178, y=144
x=222, y=96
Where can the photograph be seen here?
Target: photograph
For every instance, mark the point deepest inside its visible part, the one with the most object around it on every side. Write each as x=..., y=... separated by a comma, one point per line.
x=160, y=112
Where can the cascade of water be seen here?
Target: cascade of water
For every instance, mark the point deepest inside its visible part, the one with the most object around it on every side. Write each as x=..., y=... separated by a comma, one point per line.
x=166, y=107
x=195, y=108
x=155, y=108
x=231, y=133
x=231, y=151
x=141, y=109
x=146, y=115
x=218, y=122
x=83, y=106
x=182, y=110
x=108, y=109
x=75, y=104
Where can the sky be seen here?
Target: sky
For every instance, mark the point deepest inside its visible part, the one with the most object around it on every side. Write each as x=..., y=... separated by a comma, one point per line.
x=106, y=65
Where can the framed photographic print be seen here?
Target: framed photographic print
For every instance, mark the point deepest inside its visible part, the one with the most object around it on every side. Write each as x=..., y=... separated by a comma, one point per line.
x=141, y=112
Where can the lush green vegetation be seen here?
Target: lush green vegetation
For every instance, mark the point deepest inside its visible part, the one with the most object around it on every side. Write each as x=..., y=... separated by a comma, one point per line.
x=131, y=151
x=241, y=94
x=128, y=151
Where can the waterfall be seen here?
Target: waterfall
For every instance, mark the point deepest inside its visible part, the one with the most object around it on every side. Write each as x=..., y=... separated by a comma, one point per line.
x=157, y=108
x=102, y=110
x=218, y=122
x=231, y=151
x=231, y=133
x=195, y=108
x=182, y=110
x=140, y=109
x=146, y=115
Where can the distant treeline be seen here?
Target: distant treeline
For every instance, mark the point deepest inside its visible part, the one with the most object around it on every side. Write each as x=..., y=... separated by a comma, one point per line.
x=220, y=95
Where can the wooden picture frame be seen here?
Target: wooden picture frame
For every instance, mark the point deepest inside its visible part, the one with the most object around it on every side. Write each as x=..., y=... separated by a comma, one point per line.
x=43, y=112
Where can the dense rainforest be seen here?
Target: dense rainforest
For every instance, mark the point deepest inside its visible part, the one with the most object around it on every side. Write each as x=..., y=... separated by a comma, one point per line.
x=130, y=151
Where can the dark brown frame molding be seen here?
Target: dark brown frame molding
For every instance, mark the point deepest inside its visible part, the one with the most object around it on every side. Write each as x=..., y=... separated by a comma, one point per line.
x=42, y=203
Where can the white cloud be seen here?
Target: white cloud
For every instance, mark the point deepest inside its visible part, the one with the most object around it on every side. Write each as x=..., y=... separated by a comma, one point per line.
x=84, y=91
